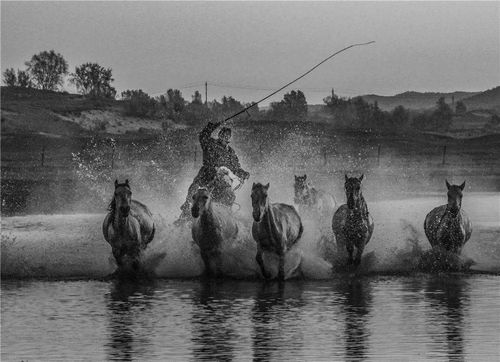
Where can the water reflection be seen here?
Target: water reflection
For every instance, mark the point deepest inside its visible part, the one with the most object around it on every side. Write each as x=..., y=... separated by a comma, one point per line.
x=212, y=331
x=126, y=304
x=449, y=297
x=276, y=322
x=356, y=295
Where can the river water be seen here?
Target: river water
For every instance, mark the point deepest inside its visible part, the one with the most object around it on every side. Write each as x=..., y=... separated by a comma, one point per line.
x=55, y=304
x=447, y=317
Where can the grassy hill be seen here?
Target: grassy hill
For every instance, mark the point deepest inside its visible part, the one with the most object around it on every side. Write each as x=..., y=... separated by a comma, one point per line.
x=487, y=100
x=26, y=110
x=416, y=100
x=32, y=111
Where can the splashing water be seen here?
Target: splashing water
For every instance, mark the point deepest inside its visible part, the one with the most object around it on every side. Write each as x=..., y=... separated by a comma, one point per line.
x=72, y=246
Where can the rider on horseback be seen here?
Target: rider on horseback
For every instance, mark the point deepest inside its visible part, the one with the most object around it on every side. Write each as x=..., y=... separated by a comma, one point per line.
x=216, y=153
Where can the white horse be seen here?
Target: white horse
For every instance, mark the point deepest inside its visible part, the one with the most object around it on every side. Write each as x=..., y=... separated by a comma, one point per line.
x=276, y=228
x=213, y=224
x=128, y=228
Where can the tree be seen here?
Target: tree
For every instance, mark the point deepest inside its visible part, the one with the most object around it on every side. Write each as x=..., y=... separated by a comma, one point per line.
x=23, y=79
x=334, y=102
x=363, y=112
x=196, y=98
x=9, y=77
x=400, y=117
x=293, y=105
x=175, y=101
x=443, y=114
x=460, y=107
x=47, y=69
x=138, y=103
x=93, y=80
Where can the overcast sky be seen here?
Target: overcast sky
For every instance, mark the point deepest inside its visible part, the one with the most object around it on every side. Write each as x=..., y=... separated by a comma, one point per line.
x=248, y=49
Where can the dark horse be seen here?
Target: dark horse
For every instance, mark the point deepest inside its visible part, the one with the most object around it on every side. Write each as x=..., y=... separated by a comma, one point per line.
x=309, y=199
x=351, y=223
x=447, y=226
x=128, y=228
x=213, y=224
x=276, y=228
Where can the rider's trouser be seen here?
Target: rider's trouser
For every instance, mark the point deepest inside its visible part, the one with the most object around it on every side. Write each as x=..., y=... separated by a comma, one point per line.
x=186, y=206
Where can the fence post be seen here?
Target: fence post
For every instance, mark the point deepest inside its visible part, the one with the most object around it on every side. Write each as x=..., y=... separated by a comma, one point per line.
x=378, y=156
x=43, y=155
x=444, y=154
x=113, y=159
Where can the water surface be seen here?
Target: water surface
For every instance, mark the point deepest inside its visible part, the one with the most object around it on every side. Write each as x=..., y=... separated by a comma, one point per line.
x=404, y=318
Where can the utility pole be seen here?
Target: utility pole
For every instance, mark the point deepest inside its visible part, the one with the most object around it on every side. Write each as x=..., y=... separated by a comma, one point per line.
x=206, y=93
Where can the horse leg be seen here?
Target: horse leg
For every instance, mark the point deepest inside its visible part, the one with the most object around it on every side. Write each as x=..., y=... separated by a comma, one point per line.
x=217, y=260
x=359, y=253
x=350, y=251
x=117, y=253
x=281, y=270
x=260, y=261
x=208, y=263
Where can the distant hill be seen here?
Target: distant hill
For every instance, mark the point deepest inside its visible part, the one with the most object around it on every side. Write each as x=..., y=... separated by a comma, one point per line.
x=416, y=100
x=489, y=99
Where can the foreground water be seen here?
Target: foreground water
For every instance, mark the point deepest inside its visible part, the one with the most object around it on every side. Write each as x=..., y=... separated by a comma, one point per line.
x=422, y=317
x=55, y=305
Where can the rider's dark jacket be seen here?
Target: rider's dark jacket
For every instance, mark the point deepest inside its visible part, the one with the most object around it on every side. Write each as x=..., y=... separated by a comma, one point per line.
x=215, y=155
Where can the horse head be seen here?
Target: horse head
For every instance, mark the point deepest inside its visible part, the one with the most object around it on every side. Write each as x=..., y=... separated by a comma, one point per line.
x=300, y=187
x=259, y=200
x=221, y=187
x=201, y=201
x=454, y=197
x=353, y=191
x=122, y=198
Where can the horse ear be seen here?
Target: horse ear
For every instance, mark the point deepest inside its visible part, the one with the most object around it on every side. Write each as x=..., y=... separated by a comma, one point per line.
x=447, y=184
x=462, y=186
x=305, y=176
x=253, y=185
x=116, y=182
x=361, y=178
x=267, y=186
x=126, y=182
x=346, y=178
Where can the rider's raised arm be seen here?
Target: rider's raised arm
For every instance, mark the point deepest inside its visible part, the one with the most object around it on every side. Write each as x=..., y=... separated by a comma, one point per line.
x=206, y=133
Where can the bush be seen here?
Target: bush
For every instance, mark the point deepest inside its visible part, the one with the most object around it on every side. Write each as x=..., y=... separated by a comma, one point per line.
x=138, y=103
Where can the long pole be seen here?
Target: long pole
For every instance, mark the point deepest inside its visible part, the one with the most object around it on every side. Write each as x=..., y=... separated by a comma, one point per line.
x=296, y=79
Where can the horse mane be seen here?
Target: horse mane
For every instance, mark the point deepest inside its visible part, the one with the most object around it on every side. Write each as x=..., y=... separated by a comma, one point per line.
x=364, y=205
x=112, y=205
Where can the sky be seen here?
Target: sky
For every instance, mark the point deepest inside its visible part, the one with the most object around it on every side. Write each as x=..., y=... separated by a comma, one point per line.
x=249, y=49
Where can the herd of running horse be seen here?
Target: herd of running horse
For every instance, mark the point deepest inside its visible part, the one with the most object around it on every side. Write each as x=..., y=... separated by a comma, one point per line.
x=129, y=227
